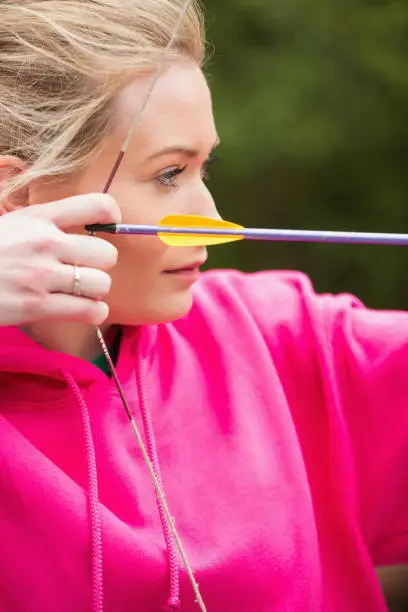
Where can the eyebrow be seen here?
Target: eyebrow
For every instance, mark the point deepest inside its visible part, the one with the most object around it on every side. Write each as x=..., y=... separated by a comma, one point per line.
x=180, y=150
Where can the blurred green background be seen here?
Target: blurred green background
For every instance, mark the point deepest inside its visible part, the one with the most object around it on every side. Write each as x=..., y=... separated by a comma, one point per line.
x=311, y=102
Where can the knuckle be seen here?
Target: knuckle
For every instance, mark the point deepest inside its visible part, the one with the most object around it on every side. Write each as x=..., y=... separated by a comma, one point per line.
x=33, y=306
x=103, y=203
x=45, y=242
x=107, y=208
x=35, y=277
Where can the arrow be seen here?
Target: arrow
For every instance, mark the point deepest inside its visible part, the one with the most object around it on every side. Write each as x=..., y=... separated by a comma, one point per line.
x=192, y=230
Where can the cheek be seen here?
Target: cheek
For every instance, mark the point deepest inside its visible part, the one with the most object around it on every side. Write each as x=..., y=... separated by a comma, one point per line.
x=143, y=255
x=138, y=202
x=147, y=203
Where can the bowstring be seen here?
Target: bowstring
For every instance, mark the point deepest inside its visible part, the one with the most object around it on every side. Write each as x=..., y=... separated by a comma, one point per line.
x=159, y=491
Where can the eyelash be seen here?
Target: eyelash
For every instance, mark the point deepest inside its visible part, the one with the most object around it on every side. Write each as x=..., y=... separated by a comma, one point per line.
x=168, y=178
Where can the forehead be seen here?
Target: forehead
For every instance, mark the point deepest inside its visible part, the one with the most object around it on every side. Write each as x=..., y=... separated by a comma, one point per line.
x=179, y=109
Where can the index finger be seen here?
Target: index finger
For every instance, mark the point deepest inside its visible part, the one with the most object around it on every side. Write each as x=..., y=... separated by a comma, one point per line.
x=79, y=210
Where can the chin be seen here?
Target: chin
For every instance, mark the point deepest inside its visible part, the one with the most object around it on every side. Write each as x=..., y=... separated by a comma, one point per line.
x=175, y=307
x=163, y=309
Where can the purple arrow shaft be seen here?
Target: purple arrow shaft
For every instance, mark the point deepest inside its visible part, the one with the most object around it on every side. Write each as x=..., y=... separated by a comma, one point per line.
x=279, y=235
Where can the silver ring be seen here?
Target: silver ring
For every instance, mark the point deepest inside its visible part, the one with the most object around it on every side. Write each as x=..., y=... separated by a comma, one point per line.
x=77, y=280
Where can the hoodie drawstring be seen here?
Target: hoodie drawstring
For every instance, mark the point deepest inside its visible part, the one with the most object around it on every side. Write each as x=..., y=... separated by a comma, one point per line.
x=93, y=498
x=173, y=602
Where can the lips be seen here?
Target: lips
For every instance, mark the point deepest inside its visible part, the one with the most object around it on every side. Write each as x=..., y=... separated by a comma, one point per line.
x=188, y=268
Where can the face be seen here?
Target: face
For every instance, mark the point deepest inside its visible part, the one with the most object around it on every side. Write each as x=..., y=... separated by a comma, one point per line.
x=163, y=172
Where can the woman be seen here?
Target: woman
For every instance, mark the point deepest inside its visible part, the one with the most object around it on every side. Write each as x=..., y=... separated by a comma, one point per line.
x=274, y=417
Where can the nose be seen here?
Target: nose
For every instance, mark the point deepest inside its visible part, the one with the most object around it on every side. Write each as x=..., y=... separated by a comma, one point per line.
x=203, y=204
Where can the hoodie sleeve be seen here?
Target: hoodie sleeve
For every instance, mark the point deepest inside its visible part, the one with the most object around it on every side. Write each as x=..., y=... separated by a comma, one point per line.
x=344, y=369
x=369, y=353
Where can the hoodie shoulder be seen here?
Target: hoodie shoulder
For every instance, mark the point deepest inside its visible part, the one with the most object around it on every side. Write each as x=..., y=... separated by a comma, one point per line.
x=286, y=300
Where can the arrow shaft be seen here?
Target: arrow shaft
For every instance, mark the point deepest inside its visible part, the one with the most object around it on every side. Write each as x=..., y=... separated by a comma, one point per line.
x=279, y=235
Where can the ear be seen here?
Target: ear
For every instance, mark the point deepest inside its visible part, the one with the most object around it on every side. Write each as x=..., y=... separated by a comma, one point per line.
x=10, y=166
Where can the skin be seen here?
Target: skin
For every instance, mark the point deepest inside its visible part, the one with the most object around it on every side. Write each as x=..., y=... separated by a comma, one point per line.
x=179, y=115
x=37, y=258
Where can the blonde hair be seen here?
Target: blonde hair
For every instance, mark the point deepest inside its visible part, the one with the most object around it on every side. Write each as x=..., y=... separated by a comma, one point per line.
x=62, y=64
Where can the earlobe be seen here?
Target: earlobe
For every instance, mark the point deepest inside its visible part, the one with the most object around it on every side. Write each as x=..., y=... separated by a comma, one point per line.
x=11, y=166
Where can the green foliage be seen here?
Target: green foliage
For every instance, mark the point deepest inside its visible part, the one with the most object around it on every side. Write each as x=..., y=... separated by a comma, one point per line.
x=311, y=99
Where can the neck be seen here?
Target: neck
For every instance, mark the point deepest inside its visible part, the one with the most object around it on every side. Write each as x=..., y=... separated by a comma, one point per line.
x=75, y=339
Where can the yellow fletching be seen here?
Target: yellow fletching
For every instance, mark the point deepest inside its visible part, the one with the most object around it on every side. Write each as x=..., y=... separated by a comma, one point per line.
x=195, y=221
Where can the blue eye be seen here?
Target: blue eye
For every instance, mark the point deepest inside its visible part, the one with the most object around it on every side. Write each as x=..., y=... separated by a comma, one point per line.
x=168, y=178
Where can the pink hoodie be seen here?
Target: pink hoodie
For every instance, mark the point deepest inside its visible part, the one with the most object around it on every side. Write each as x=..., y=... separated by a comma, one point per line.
x=280, y=421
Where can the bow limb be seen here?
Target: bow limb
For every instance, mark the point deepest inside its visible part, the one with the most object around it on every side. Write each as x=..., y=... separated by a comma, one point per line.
x=139, y=115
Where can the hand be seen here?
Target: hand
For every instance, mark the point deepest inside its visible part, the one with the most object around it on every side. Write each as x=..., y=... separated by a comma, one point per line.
x=37, y=261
